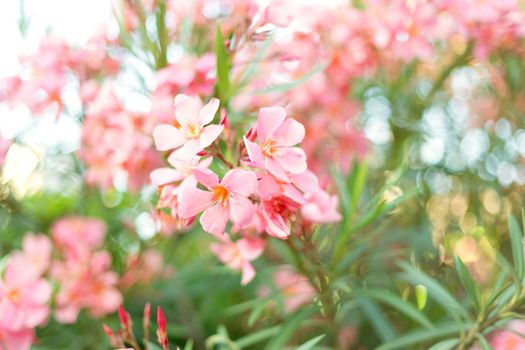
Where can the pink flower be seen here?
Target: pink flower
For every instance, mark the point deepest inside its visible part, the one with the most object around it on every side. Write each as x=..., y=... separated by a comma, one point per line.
x=275, y=152
x=16, y=340
x=227, y=198
x=23, y=299
x=78, y=236
x=295, y=288
x=509, y=340
x=36, y=256
x=239, y=254
x=191, y=132
x=320, y=207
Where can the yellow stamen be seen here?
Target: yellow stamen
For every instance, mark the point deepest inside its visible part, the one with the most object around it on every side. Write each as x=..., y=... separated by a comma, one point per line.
x=220, y=195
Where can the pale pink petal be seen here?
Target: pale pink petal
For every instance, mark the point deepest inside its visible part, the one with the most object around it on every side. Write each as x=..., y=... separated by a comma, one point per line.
x=268, y=120
x=289, y=133
x=167, y=137
x=248, y=273
x=163, y=176
x=214, y=219
x=210, y=134
x=206, y=177
x=275, y=169
x=241, y=211
x=292, y=160
x=187, y=109
x=254, y=152
x=276, y=227
x=240, y=181
x=207, y=112
x=40, y=292
x=306, y=182
x=251, y=247
x=67, y=314
x=192, y=201
x=187, y=151
x=19, y=340
x=36, y=316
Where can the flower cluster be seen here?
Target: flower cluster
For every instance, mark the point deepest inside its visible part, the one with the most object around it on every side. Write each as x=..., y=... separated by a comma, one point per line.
x=262, y=192
x=25, y=293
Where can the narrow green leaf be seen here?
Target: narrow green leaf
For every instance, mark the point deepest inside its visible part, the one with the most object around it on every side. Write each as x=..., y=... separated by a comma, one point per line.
x=446, y=344
x=483, y=343
x=516, y=240
x=468, y=282
x=435, y=290
x=376, y=318
x=289, y=328
x=310, y=343
x=254, y=338
x=399, y=305
x=189, y=345
x=358, y=183
x=423, y=335
x=223, y=67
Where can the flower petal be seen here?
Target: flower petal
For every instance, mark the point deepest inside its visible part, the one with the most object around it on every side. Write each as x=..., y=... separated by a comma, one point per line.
x=187, y=109
x=162, y=176
x=210, y=134
x=206, y=177
x=268, y=121
x=167, y=137
x=292, y=160
x=187, y=151
x=248, y=273
x=192, y=201
x=240, y=181
x=254, y=152
x=290, y=132
x=241, y=211
x=207, y=112
x=214, y=219
x=275, y=169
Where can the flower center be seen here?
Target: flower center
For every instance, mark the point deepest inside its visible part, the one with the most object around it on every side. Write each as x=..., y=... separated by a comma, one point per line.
x=13, y=295
x=220, y=195
x=194, y=131
x=269, y=148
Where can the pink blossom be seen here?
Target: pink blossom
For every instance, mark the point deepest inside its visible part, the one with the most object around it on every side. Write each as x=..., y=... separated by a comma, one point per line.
x=36, y=256
x=191, y=132
x=275, y=152
x=295, y=288
x=508, y=340
x=77, y=236
x=23, y=299
x=16, y=340
x=227, y=198
x=239, y=254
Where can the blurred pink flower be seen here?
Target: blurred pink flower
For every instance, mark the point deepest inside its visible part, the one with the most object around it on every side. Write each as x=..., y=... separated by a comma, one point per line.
x=275, y=152
x=78, y=236
x=239, y=254
x=227, y=198
x=191, y=132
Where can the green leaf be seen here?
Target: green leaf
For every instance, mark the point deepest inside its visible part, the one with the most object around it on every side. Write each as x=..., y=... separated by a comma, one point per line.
x=435, y=290
x=516, y=240
x=223, y=67
x=399, y=305
x=189, y=345
x=290, y=327
x=254, y=338
x=446, y=344
x=376, y=318
x=358, y=182
x=483, y=343
x=153, y=346
x=425, y=335
x=310, y=343
x=468, y=282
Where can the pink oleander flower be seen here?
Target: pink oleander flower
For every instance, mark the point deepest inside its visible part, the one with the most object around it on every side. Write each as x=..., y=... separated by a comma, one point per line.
x=16, y=340
x=277, y=136
x=190, y=133
x=24, y=298
x=295, y=288
x=506, y=339
x=35, y=256
x=238, y=255
x=77, y=236
x=88, y=284
x=225, y=199
x=181, y=171
x=143, y=268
